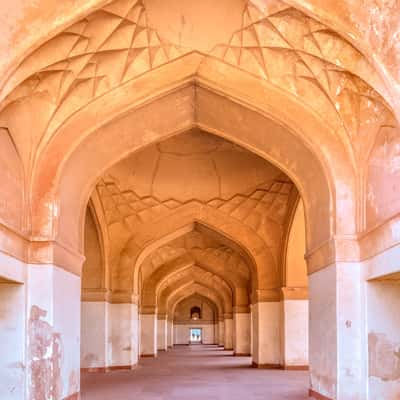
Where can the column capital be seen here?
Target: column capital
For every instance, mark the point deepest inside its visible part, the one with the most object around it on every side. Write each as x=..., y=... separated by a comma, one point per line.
x=265, y=295
x=294, y=293
x=228, y=316
x=336, y=249
x=123, y=297
x=241, y=309
x=148, y=309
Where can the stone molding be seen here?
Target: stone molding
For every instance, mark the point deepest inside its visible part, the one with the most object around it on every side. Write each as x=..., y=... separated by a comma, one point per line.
x=241, y=310
x=294, y=293
x=148, y=310
x=111, y=297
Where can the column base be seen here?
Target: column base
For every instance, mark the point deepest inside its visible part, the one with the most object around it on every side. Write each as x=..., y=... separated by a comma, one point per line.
x=266, y=366
x=317, y=396
x=119, y=367
x=242, y=354
x=149, y=355
x=94, y=370
x=100, y=370
x=75, y=396
x=296, y=367
x=231, y=349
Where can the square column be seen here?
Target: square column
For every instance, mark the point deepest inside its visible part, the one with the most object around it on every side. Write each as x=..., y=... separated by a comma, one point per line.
x=170, y=333
x=148, y=334
x=266, y=318
x=221, y=332
x=216, y=332
x=94, y=336
x=242, y=328
x=53, y=342
x=337, y=333
x=228, y=341
x=162, y=332
x=295, y=328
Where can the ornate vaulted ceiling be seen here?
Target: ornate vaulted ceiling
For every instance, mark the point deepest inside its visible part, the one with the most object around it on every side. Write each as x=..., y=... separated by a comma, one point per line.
x=144, y=195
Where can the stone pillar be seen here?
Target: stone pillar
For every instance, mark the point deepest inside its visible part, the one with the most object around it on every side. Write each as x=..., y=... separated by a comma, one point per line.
x=119, y=336
x=216, y=332
x=170, y=333
x=148, y=333
x=162, y=332
x=221, y=333
x=53, y=337
x=241, y=329
x=135, y=330
x=295, y=328
x=12, y=331
x=228, y=341
x=94, y=335
x=337, y=333
x=266, y=318
x=251, y=330
x=383, y=331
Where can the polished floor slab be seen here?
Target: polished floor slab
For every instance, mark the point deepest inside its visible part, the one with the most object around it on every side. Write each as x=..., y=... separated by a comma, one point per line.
x=195, y=373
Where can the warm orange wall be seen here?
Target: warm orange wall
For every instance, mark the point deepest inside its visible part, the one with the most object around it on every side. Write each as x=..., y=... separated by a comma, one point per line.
x=93, y=266
x=296, y=268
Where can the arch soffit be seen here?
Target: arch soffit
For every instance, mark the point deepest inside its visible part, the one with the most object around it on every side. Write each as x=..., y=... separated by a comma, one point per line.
x=258, y=257
x=164, y=276
x=169, y=297
x=193, y=276
x=199, y=297
x=190, y=289
x=163, y=239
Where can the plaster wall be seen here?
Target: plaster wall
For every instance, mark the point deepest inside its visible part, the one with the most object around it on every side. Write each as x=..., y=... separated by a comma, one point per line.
x=94, y=334
x=267, y=321
x=383, y=339
x=242, y=328
x=182, y=332
x=148, y=334
x=295, y=335
x=12, y=337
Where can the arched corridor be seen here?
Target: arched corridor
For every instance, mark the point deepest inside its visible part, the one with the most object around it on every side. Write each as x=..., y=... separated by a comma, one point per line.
x=219, y=173
x=198, y=372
